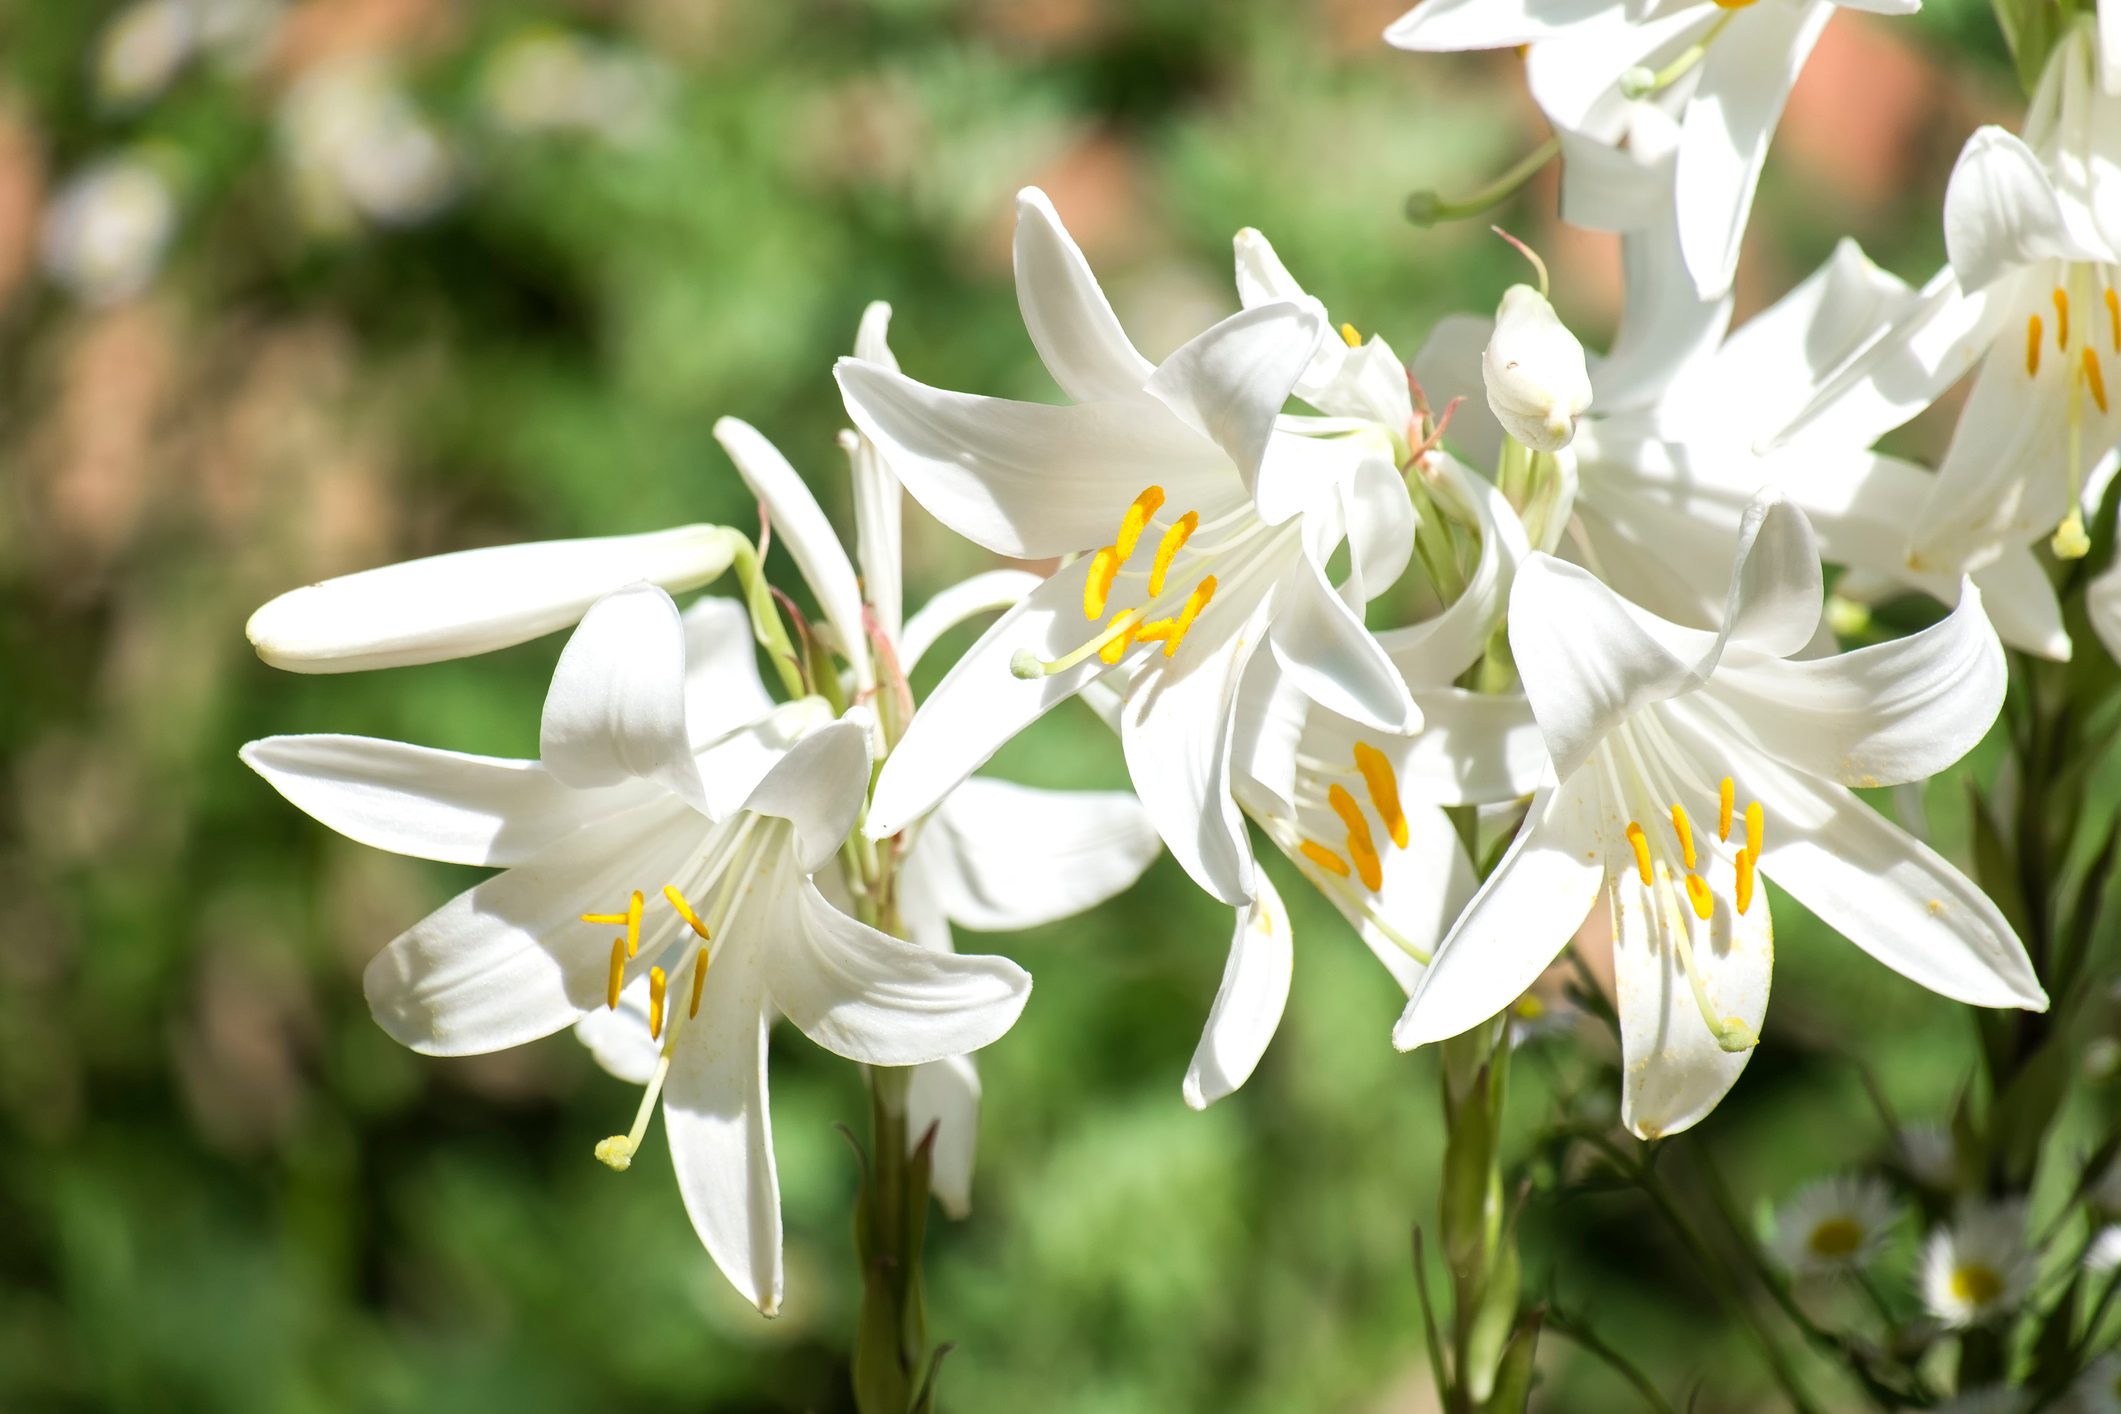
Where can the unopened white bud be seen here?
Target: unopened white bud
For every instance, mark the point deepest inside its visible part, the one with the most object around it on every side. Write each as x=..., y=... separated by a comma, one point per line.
x=1537, y=383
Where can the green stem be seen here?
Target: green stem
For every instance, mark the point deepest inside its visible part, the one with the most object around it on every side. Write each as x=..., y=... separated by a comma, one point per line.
x=766, y=625
x=1428, y=208
x=1595, y=1345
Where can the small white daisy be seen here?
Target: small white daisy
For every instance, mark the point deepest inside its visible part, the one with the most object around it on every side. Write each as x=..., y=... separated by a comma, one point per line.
x=1978, y=1267
x=1927, y=1153
x=2104, y=1253
x=1533, y=1017
x=1834, y=1225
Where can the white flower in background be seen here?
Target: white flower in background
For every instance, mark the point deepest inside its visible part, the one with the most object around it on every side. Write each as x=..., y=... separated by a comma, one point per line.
x=106, y=231
x=664, y=774
x=1360, y=812
x=2098, y=1389
x=555, y=82
x=993, y=856
x=146, y=45
x=1688, y=766
x=1690, y=422
x=2103, y=1255
x=1720, y=72
x=1833, y=1225
x=1202, y=528
x=1978, y=1267
x=357, y=147
x=1929, y=1156
x=1534, y=371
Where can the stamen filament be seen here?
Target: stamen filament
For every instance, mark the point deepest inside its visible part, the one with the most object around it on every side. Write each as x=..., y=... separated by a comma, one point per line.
x=617, y=982
x=1027, y=664
x=684, y=908
x=1755, y=826
x=617, y=1152
x=1130, y=525
x=1685, y=833
x=1731, y=1033
x=658, y=987
x=1098, y=587
x=1384, y=790
x=631, y=918
x=1117, y=648
x=699, y=982
x=1167, y=549
x=1324, y=858
x=1641, y=845
x=1726, y=796
x=2032, y=346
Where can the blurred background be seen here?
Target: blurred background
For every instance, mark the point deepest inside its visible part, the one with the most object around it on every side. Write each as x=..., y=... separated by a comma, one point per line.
x=293, y=289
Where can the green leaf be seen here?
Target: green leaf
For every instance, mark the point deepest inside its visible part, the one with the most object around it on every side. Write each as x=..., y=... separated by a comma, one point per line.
x=1488, y=1338
x=1513, y=1381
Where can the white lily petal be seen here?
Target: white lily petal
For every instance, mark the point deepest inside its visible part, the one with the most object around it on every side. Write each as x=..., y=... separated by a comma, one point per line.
x=1724, y=135
x=878, y=500
x=1229, y=384
x=1443, y=25
x=1448, y=368
x=1423, y=888
x=1893, y=712
x=1070, y=322
x=2109, y=15
x=1666, y=327
x=2102, y=603
x=880, y=1000
x=722, y=687
x=510, y=960
x=472, y=601
x=980, y=704
x=817, y=786
x=944, y=1096
x=720, y=1129
x=1380, y=522
x=799, y=523
x=982, y=593
x=1776, y=590
x=1673, y=1069
x=616, y=709
x=1575, y=78
x=2021, y=603
x=617, y=1037
x=1332, y=658
x=1434, y=652
x=442, y=805
x=1474, y=748
x=1024, y=479
x=1519, y=921
x=2001, y=210
x=1001, y=856
x=1248, y=1007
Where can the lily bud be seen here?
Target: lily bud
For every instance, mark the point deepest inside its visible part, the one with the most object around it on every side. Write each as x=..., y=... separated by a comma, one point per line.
x=1537, y=383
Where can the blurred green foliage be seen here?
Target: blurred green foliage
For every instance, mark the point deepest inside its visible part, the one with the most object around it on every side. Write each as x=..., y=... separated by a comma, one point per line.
x=222, y=1188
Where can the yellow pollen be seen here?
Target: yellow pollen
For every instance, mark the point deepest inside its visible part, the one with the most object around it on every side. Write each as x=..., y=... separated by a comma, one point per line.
x=2094, y=376
x=684, y=907
x=615, y=1153
x=1349, y=337
x=1698, y=892
x=618, y=973
x=1745, y=879
x=1641, y=846
x=699, y=982
x=1368, y=867
x=2113, y=317
x=1384, y=790
x=1976, y=1284
x=1167, y=549
x=1726, y=796
x=2032, y=346
x=1103, y=566
x=1755, y=826
x=2061, y=319
x=658, y=986
x=1836, y=1237
x=1324, y=858
x=1732, y=4
x=1171, y=632
x=1117, y=649
x=1685, y=833
x=1130, y=525
x=1361, y=849
x=631, y=918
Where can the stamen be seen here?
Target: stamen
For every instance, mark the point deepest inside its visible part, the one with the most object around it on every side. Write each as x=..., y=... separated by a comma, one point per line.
x=1349, y=337
x=2032, y=346
x=1745, y=880
x=1195, y=602
x=1324, y=858
x=1731, y=1032
x=1685, y=833
x=1361, y=848
x=1103, y=566
x=2094, y=376
x=1368, y=867
x=617, y=983
x=2061, y=319
x=1384, y=790
x=684, y=907
x=1755, y=826
x=2113, y=317
x=631, y=918
x=617, y=1152
x=1117, y=648
x=1027, y=664
x=1167, y=549
x=1733, y=4
x=658, y=986
x=1130, y=525
x=1641, y=845
x=1698, y=894
x=699, y=982
x=1726, y=796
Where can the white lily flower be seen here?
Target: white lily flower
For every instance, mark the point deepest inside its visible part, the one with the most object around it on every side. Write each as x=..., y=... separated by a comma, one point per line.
x=1690, y=765
x=1721, y=72
x=993, y=856
x=1690, y=421
x=1360, y=812
x=1979, y=1267
x=1534, y=370
x=652, y=778
x=1203, y=527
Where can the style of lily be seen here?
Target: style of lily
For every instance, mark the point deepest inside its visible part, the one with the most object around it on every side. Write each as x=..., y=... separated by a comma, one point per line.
x=1690, y=766
x=992, y=856
x=650, y=784
x=1361, y=813
x=1690, y=420
x=1202, y=525
x=1721, y=71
